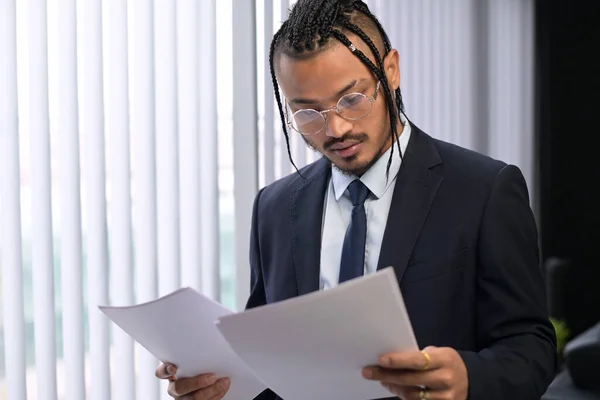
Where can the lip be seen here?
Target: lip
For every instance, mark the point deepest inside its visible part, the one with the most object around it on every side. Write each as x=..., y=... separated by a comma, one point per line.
x=347, y=151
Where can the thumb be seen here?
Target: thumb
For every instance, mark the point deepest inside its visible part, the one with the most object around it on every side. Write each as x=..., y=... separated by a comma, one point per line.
x=166, y=371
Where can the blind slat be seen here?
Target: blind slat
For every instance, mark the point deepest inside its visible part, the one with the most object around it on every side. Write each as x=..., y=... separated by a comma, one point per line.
x=467, y=65
x=92, y=124
x=427, y=65
x=167, y=177
x=116, y=85
x=166, y=146
x=447, y=71
x=10, y=210
x=70, y=229
x=141, y=66
x=271, y=116
x=205, y=40
x=527, y=77
x=245, y=132
x=437, y=89
x=189, y=143
x=42, y=232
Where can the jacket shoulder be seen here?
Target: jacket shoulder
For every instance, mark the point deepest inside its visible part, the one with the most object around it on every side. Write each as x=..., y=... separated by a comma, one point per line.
x=468, y=166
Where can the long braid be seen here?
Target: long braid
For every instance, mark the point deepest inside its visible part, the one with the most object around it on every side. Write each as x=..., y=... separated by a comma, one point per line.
x=278, y=96
x=383, y=77
x=362, y=7
x=310, y=26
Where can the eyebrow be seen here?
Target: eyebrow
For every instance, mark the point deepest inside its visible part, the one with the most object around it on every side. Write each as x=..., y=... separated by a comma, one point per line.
x=339, y=93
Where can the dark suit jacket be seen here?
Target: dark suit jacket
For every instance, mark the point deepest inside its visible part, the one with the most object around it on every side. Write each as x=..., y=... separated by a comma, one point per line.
x=462, y=239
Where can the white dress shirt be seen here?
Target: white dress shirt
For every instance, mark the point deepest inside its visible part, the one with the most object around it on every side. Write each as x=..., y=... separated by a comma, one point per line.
x=338, y=208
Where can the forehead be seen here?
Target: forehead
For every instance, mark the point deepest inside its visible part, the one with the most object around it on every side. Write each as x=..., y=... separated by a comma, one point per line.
x=320, y=76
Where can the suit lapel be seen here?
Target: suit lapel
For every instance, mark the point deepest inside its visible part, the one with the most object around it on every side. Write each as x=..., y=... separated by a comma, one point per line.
x=306, y=207
x=415, y=190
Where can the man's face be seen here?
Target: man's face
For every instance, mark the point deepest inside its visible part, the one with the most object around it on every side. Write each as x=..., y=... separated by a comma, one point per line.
x=319, y=82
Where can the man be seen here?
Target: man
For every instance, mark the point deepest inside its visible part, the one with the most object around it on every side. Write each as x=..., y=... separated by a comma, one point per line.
x=455, y=225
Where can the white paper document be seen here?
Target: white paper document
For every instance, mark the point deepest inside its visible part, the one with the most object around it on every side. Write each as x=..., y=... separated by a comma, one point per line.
x=180, y=328
x=315, y=346
x=309, y=347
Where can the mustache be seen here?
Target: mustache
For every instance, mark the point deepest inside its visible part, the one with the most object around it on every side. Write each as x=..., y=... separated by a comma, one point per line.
x=358, y=137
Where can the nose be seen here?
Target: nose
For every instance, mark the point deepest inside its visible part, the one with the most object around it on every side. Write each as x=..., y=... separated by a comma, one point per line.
x=336, y=126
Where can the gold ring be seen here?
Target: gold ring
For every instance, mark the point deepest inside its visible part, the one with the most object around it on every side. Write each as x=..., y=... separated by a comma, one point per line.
x=427, y=359
x=424, y=394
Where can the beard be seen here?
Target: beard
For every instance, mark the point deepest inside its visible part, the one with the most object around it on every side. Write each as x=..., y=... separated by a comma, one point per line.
x=350, y=167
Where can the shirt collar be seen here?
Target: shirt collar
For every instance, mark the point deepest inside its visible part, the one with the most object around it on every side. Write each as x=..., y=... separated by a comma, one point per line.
x=375, y=177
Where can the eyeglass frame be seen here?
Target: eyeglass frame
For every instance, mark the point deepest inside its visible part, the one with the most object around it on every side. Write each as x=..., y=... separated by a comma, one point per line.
x=324, y=113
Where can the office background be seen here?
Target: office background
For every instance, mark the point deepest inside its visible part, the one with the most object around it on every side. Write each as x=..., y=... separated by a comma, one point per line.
x=568, y=83
x=134, y=136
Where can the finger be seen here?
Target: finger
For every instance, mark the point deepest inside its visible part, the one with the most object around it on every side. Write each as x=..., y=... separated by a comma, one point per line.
x=213, y=392
x=224, y=389
x=181, y=387
x=428, y=358
x=165, y=371
x=394, y=389
x=416, y=393
x=405, y=392
x=437, y=379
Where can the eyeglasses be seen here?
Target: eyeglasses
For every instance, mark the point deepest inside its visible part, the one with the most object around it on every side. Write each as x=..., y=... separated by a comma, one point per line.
x=351, y=106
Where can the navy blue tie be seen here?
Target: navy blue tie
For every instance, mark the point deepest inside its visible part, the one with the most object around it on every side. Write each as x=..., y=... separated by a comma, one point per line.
x=353, y=252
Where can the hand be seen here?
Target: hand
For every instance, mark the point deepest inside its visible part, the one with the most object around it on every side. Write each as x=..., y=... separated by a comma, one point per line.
x=202, y=387
x=432, y=374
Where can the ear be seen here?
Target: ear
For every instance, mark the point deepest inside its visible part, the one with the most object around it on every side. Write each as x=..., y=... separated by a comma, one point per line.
x=391, y=63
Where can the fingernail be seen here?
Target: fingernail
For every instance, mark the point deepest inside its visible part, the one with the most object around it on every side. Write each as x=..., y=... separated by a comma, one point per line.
x=367, y=373
x=224, y=383
x=171, y=369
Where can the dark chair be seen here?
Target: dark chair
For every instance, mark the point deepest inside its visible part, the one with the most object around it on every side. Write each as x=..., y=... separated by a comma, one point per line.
x=579, y=378
x=563, y=388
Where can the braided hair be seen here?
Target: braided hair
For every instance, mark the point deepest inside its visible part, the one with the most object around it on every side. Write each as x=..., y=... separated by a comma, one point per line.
x=309, y=29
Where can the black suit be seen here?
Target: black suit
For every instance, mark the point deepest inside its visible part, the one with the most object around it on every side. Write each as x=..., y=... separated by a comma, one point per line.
x=463, y=242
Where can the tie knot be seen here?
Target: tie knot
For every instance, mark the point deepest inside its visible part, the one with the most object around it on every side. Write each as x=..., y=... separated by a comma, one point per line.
x=358, y=192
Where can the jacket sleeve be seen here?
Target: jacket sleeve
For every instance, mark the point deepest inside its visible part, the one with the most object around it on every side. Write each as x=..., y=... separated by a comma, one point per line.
x=257, y=287
x=518, y=356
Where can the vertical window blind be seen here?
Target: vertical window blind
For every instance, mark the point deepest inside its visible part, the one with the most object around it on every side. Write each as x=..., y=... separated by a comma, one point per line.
x=135, y=134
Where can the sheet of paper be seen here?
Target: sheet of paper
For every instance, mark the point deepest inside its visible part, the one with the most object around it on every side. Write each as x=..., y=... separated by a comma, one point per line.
x=180, y=328
x=315, y=346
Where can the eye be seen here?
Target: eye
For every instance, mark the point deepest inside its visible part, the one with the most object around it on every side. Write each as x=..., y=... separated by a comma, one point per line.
x=351, y=99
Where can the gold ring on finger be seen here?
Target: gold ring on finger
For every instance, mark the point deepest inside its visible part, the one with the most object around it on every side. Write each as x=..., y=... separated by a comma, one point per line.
x=424, y=394
x=427, y=359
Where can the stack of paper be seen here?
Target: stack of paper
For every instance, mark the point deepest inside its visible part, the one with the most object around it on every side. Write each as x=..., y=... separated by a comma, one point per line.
x=310, y=347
